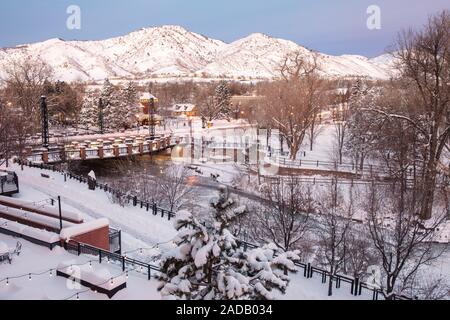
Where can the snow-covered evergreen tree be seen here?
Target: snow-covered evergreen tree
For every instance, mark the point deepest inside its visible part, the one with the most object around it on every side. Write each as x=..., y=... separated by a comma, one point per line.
x=112, y=115
x=208, y=263
x=89, y=111
x=223, y=99
x=129, y=100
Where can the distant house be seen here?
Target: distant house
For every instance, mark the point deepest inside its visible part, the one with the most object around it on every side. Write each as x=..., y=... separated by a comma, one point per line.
x=185, y=109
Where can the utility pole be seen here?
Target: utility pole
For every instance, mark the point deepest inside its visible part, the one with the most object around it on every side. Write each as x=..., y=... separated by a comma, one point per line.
x=100, y=115
x=44, y=120
x=60, y=214
x=258, y=147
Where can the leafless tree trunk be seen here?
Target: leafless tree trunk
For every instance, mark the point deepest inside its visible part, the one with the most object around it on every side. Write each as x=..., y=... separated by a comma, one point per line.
x=24, y=82
x=424, y=60
x=292, y=104
x=401, y=238
x=332, y=230
x=285, y=217
x=174, y=187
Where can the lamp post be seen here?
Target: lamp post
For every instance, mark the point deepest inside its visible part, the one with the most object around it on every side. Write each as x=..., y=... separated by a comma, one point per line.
x=203, y=122
x=192, y=138
x=138, y=120
x=151, y=113
x=60, y=214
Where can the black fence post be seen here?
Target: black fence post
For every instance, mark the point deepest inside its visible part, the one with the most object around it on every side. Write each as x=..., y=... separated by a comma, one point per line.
x=123, y=264
x=355, y=284
x=100, y=256
x=79, y=249
x=149, y=272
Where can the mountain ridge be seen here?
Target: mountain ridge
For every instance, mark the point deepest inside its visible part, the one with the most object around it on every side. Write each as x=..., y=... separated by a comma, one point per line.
x=173, y=51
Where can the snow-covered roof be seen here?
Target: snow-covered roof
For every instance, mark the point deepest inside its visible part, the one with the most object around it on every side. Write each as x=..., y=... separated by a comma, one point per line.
x=49, y=210
x=70, y=232
x=184, y=107
x=92, y=175
x=3, y=248
x=147, y=96
x=32, y=217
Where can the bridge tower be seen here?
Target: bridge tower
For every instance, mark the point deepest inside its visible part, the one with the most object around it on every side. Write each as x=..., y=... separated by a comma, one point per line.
x=149, y=103
x=44, y=122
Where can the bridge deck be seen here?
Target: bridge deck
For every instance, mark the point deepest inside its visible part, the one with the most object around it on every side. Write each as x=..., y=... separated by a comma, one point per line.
x=110, y=148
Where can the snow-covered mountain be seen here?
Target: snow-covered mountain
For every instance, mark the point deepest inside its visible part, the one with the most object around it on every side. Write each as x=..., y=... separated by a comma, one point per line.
x=170, y=51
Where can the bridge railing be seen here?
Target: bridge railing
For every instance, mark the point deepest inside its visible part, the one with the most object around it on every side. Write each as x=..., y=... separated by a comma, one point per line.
x=100, y=152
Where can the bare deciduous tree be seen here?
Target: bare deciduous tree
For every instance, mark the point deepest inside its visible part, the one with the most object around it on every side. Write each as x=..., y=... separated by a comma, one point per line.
x=285, y=217
x=12, y=131
x=292, y=104
x=332, y=230
x=173, y=187
x=24, y=82
x=424, y=62
x=402, y=239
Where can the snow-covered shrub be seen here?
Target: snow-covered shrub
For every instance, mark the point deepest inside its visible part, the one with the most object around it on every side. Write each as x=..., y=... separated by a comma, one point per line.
x=208, y=263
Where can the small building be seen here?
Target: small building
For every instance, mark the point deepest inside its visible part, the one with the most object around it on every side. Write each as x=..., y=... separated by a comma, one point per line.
x=146, y=100
x=185, y=109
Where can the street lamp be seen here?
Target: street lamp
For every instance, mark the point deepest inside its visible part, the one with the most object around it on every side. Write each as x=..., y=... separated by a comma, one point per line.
x=192, y=137
x=138, y=119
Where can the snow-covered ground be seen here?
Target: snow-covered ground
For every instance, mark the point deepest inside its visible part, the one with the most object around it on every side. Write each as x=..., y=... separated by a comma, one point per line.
x=140, y=230
x=44, y=285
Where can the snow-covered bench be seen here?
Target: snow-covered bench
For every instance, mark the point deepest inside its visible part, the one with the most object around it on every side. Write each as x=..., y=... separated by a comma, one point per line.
x=34, y=235
x=6, y=254
x=99, y=280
